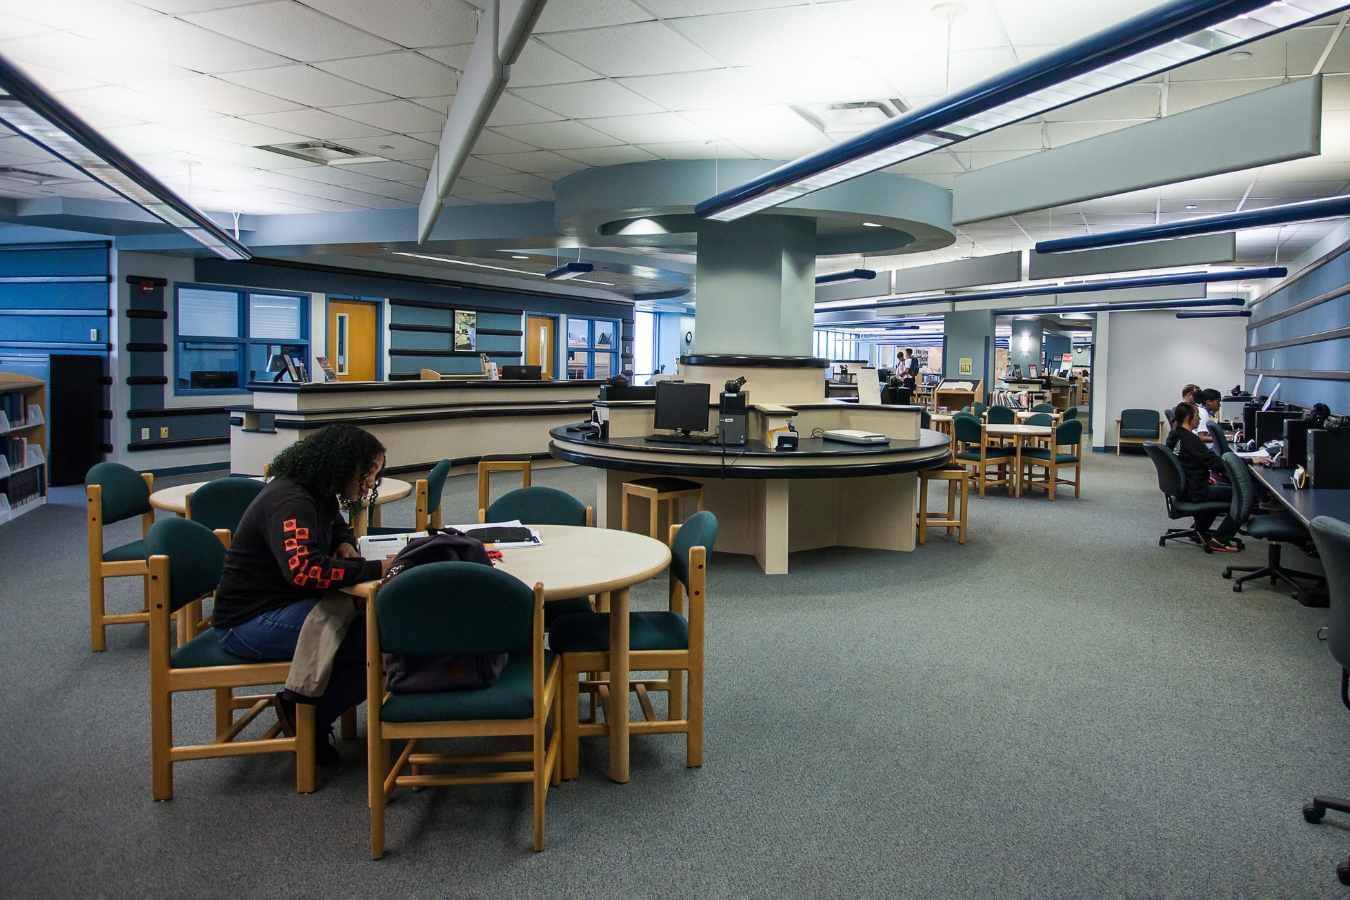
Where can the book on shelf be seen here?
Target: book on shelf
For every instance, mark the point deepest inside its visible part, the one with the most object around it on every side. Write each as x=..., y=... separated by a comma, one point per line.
x=24, y=486
x=15, y=451
x=14, y=404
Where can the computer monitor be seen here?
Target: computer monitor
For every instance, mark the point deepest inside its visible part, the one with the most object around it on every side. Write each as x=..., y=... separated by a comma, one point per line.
x=1270, y=425
x=682, y=406
x=522, y=373
x=203, y=380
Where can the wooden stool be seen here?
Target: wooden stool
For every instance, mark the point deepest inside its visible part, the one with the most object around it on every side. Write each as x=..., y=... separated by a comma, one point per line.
x=958, y=479
x=656, y=489
x=489, y=464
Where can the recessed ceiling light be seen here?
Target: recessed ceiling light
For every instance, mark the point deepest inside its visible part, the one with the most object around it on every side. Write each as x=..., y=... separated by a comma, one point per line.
x=513, y=256
x=872, y=224
x=1239, y=55
x=1192, y=206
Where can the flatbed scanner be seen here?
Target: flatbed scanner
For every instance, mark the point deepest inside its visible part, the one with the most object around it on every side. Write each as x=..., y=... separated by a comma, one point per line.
x=850, y=436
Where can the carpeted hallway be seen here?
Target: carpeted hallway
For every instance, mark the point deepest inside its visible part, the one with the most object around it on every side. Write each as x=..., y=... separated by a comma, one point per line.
x=1059, y=708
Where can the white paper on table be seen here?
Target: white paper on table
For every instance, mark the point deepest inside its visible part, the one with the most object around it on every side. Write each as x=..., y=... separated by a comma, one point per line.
x=511, y=545
x=383, y=546
x=1254, y=454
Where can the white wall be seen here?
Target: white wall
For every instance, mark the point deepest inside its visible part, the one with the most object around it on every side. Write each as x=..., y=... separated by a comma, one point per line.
x=1151, y=355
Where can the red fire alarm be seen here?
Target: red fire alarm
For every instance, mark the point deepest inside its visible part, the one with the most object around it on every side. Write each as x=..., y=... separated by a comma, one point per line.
x=147, y=287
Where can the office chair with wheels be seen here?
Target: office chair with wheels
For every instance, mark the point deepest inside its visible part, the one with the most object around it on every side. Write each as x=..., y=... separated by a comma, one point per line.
x=1332, y=537
x=1275, y=528
x=1217, y=436
x=1172, y=482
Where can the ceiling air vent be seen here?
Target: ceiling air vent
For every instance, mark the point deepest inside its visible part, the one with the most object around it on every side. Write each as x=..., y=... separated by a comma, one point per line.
x=850, y=118
x=322, y=152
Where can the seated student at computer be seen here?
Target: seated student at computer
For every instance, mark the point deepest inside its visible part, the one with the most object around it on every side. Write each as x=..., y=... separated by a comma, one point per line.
x=1207, y=403
x=1197, y=461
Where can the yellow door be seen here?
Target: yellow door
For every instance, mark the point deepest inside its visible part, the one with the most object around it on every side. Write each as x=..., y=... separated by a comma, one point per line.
x=351, y=339
x=539, y=343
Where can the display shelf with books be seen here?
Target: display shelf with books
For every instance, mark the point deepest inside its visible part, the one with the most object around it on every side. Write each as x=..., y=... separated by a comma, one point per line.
x=23, y=442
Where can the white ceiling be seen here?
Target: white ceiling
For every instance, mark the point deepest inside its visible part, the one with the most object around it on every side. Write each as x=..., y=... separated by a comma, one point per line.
x=189, y=88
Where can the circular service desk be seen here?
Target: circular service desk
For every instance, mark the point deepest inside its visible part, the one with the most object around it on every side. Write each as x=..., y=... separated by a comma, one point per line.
x=771, y=503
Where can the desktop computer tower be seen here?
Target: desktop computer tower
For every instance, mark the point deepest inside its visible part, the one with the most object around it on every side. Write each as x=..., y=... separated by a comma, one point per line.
x=1329, y=459
x=1296, y=441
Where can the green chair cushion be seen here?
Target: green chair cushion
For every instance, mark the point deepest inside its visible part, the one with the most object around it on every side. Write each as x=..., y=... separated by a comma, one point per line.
x=538, y=506
x=1146, y=433
x=589, y=632
x=1187, y=508
x=1044, y=454
x=204, y=651
x=126, y=553
x=512, y=697
x=991, y=454
x=556, y=609
x=1281, y=528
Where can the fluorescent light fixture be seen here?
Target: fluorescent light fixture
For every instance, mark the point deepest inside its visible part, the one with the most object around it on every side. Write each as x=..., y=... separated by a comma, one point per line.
x=848, y=275
x=517, y=256
x=36, y=115
x=1154, y=41
x=568, y=271
x=1303, y=211
x=1073, y=287
x=872, y=224
x=1026, y=342
x=1192, y=206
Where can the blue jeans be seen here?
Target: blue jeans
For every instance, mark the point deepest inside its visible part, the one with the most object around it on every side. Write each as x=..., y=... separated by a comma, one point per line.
x=273, y=635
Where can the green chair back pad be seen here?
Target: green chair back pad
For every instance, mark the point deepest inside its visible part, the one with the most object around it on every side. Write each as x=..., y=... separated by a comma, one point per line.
x=455, y=607
x=1043, y=407
x=1045, y=420
x=1001, y=415
x=1240, y=480
x=1140, y=419
x=966, y=428
x=1069, y=432
x=125, y=493
x=222, y=503
x=436, y=484
x=196, y=558
x=699, y=530
x=538, y=506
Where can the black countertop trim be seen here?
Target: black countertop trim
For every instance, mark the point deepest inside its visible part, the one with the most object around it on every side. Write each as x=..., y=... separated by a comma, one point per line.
x=137, y=380
x=352, y=387
x=171, y=444
x=170, y=411
x=339, y=410
x=307, y=424
x=143, y=347
x=146, y=314
x=755, y=362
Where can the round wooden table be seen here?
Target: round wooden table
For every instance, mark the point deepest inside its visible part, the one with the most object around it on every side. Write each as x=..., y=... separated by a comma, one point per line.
x=573, y=561
x=174, y=500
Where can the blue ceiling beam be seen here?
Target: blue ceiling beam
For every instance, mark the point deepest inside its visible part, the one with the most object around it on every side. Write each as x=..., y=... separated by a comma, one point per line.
x=39, y=117
x=1303, y=211
x=1154, y=41
x=1120, y=307
x=1079, y=287
x=1225, y=314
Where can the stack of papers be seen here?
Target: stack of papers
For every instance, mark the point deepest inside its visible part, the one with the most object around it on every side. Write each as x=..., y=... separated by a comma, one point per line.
x=1254, y=454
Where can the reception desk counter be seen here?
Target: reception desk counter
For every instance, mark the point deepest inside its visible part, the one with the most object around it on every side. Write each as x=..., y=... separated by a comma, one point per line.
x=419, y=422
x=769, y=504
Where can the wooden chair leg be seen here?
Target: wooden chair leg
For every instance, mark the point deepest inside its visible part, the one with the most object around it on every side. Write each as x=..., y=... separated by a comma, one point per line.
x=304, y=748
x=161, y=744
x=674, y=687
x=376, y=769
x=623, y=526
x=654, y=506
x=98, y=631
x=224, y=710
x=570, y=713
x=965, y=496
x=951, y=503
x=693, y=756
x=541, y=780
x=347, y=725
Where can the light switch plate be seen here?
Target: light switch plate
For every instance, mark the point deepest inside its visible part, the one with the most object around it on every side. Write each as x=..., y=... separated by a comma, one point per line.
x=145, y=434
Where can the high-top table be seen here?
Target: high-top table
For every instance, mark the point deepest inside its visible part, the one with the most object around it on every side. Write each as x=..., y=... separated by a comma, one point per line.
x=175, y=500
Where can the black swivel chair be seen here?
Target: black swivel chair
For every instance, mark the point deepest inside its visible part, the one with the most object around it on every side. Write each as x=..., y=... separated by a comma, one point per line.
x=1275, y=528
x=1332, y=537
x=1172, y=482
x=1217, y=436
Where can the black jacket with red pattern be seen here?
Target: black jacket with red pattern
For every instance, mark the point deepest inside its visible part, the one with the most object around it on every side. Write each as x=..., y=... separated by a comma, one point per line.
x=282, y=552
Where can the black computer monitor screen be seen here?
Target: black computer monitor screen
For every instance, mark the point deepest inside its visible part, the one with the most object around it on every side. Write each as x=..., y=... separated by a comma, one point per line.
x=682, y=406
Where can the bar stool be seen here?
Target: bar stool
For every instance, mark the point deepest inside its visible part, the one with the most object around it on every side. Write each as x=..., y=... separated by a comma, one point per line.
x=958, y=479
x=656, y=489
x=489, y=464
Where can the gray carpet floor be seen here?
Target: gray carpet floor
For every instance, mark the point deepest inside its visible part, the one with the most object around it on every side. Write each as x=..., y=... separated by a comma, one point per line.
x=1058, y=708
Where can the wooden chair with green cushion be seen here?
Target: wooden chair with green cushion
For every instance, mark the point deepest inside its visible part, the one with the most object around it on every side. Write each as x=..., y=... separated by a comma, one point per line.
x=669, y=641
x=1051, y=460
x=219, y=505
x=427, y=512
x=1044, y=408
x=976, y=453
x=1071, y=413
x=1001, y=415
x=1135, y=426
x=499, y=463
x=185, y=561
x=544, y=506
x=448, y=608
x=114, y=493
x=925, y=420
x=978, y=409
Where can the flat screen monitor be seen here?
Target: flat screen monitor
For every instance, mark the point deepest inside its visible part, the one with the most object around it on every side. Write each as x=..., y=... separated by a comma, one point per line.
x=522, y=373
x=1270, y=425
x=213, y=380
x=682, y=406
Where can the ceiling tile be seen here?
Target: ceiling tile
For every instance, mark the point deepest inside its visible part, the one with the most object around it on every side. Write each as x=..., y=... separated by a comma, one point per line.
x=213, y=94
x=651, y=129
x=821, y=82
x=1185, y=96
x=392, y=171
x=393, y=115
x=181, y=44
x=402, y=74
x=557, y=135
x=1062, y=21
x=511, y=110
x=520, y=182
x=438, y=104
x=341, y=175
x=924, y=74
x=769, y=37
x=491, y=142
x=609, y=156
x=754, y=122
x=393, y=191
x=570, y=15
x=411, y=23
x=242, y=131
x=456, y=57
x=708, y=89
x=674, y=9
x=784, y=148
x=316, y=123
x=475, y=166
x=12, y=27
x=66, y=14
x=395, y=146
x=307, y=85
x=543, y=196
x=610, y=51
x=692, y=150
x=132, y=104
x=540, y=64
x=587, y=99
x=75, y=55
x=174, y=7
x=292, y=30
x=536, y=161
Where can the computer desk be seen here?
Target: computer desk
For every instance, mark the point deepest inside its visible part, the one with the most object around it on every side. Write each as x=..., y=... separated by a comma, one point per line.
x=1308, y=503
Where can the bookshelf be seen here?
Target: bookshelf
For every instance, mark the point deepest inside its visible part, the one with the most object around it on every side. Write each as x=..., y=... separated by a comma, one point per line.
x=23, y=445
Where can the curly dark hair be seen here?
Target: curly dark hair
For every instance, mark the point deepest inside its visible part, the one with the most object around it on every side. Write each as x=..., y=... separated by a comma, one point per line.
x=329, y=460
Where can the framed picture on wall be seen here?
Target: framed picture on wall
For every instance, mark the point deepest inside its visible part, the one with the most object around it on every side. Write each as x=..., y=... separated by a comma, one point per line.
x=466, y=325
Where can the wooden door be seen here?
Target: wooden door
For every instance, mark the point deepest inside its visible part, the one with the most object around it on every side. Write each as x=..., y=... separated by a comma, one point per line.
x=352, y=341
x=540, y=344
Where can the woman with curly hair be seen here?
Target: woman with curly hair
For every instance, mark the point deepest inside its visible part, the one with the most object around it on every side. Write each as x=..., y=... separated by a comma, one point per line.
x=291, y=553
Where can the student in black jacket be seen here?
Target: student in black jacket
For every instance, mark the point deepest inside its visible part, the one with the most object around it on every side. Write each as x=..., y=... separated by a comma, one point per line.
x=292, y=547
x=1197, y=461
